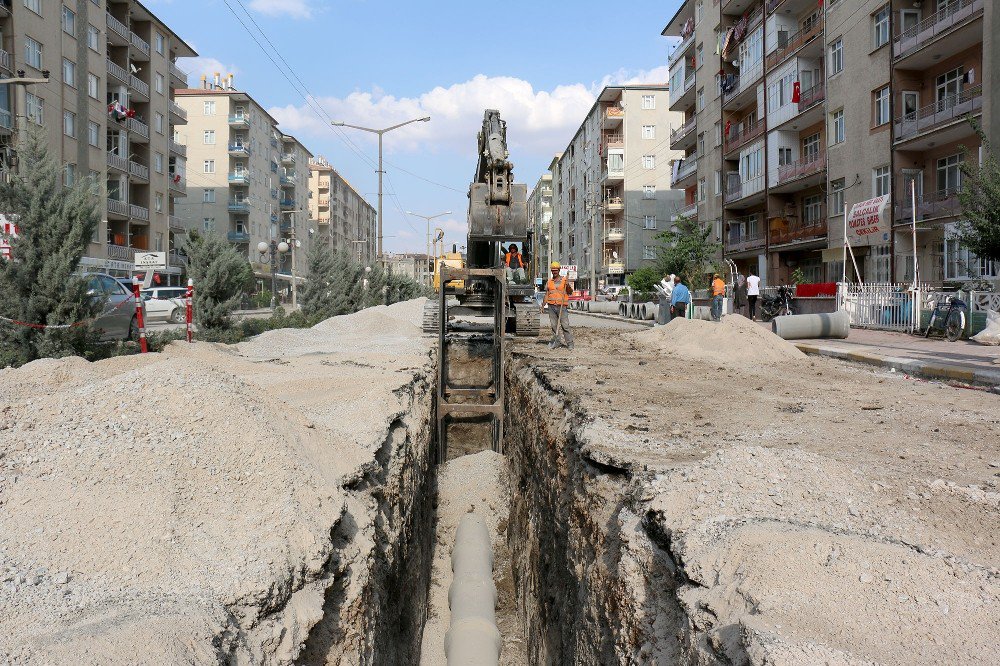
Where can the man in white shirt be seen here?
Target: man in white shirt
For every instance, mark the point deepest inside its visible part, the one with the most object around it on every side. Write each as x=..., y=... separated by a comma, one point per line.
x=753, y=291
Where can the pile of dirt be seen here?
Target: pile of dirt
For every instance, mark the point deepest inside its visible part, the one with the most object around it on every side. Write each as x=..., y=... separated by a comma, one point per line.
x=735, y=341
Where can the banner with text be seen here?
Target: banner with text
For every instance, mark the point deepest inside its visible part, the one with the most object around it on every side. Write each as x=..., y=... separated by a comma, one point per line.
x=869, y=222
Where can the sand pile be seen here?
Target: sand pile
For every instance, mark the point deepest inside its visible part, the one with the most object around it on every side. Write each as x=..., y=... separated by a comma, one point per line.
x=735, y=341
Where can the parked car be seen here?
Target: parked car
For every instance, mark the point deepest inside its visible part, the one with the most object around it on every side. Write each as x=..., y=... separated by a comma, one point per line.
x=165, y=304
x=117, y=320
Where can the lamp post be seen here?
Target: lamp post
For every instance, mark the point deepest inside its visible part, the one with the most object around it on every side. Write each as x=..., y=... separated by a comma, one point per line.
x=428, y=218
x=293, y=243
x=274, y=248
x=380, y=132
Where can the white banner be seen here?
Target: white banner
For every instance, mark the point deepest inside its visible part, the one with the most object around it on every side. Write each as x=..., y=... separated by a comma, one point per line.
x=869, y=221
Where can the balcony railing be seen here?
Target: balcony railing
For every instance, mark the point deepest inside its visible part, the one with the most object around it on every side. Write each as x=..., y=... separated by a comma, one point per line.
x=324, y=202
x=287, y=180
x=688, y=211
x=743, y=237
x=287, y=203
x=944, y=203
x=613, y=141
x=288, y=158
x=6, y=119
x=680, y=50
x=682, y=131
x=614, y=235
x=138, y=85
x=238, y=237
x=324, y=184
x=734, y=84
x=118, y=207
x=800, y=168
x=138, y=170
x=953, y=14
x=140, y=43
x=4, y=60
x=795, y=42
x=117, y=162
x=941, y=112
x=178, y=185
x=137, y=126
x=737, y=190
x=177, y=259
x=614, y=204
x=119, y=28
x=117, y=71
x=178, y=110
x=239, y=206
x=615, y=113
x=138, y=212
x=178, y=73
x=687, y=168
x=175, y=222
x=5, y=8
x=239, y=149
x=240, y=119
x=738, y=138
x=323, y=219
x=812, y=96
x=792, y=230
x=121, y=253
x=178, y=148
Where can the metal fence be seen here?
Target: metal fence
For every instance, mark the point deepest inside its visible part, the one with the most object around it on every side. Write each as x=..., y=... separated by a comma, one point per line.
x=887, y=307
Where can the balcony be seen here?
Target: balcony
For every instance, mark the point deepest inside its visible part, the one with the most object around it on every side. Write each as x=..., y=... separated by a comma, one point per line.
x=239, y=206
x=116, y=207
x=288, y=159
x=180, y=76
x=614, y=235
x=140, y=171
x=121, y=253
x=5, y=60
x=744, y=236
x=934, y=205
x=744, y=192
x=944, y=113
x=685, y=131
x=812, y=96
x=791, y=230
x=178, y=184
x=324, y=183
x=614, y=115
x=178, y=148
x=178, y=115
x=140, y=45
x=288, y=180
x=324, y=202
x=688, y=211
x=139, y=87
x=238, y=237
x=118, y=32
x=738, y=138
x=239, y=120
x=795, y=43
x=323, y=219
x=137, y=127
x=287, y=204
x=117, y=71
x=5, y=8
x=239, y=150
x=612, y=141
x=614, y=205
x=117, y=162
x=801, y=168
x=6, y=120
x=615, y=175
x=738, y=90
x=616, y=268
x=175, y=223
x=954, y=20
x=138, y=212
x=684, y=98
x=239, y=177
x=176, y=259
x=688, y=168
x=681, y=49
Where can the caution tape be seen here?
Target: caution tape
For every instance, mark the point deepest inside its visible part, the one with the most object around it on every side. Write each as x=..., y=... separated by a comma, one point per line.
x=66, y=326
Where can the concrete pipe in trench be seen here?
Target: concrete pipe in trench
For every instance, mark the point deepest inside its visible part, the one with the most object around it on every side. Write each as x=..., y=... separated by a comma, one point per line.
x=473, y=637
x=800, y=327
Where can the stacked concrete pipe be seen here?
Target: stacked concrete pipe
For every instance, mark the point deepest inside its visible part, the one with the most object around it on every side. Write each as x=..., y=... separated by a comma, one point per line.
x=605, y=307
x=473, y=637
x=622, y=309
x=801, y=327
x=647, y=311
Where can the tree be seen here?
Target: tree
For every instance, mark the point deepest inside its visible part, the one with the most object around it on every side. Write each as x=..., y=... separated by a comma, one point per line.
x=317, y=294
x=39, y=284
x=980, y=199
x=687, y=251
x=643, y=280
x=220, y=275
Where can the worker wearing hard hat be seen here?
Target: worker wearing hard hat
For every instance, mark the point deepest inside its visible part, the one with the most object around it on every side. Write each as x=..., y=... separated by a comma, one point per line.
x=557, y=291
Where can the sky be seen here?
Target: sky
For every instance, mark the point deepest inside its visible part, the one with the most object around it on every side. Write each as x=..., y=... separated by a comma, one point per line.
x=377, y=63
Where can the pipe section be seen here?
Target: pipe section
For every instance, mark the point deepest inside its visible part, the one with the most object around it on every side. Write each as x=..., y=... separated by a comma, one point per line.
x=473, y=637
x=825, y=325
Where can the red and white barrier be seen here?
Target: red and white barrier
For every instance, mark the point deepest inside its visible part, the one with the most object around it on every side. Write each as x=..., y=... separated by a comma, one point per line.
x=190, y=309
x=143, y=346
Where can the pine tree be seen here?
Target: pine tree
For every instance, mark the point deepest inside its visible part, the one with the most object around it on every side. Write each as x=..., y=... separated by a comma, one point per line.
x=317, y=294
x=40, y=285
x=687, y=252
x=220, y=275
x=980, y=198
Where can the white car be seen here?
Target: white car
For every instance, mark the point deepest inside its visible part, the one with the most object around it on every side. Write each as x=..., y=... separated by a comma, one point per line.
x=165, y=304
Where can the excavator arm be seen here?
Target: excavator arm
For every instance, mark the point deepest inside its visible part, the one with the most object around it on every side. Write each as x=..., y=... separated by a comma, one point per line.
x=498, y=208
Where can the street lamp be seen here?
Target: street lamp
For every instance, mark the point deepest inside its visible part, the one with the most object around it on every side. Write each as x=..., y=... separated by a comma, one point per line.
x=428, y=219
x=274, y=248
x=380, y=132
x=292, y=244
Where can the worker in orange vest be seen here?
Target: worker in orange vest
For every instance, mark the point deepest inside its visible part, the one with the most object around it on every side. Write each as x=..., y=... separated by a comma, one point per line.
x=557, y=291
x=718, y=293
x=515, y=265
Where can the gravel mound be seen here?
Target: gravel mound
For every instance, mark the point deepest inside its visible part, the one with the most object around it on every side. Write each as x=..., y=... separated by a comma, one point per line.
x=735, y=341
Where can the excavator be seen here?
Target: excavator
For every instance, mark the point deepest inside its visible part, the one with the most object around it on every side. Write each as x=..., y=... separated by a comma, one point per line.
x=483, y=288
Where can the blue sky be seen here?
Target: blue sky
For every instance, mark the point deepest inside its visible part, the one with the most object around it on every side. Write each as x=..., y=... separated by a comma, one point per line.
x=379, y=63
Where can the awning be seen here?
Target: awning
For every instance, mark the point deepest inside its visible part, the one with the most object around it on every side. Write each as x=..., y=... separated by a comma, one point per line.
x=835, y=254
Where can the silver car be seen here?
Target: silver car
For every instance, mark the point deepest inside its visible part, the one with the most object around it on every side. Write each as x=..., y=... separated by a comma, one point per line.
x=165, y=304
x=116, y=320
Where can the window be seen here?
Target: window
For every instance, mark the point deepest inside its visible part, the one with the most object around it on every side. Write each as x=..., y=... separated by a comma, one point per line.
x=837, y=197
x=69, y=73
x=960, y=264
x=208, y=196
x=209, y=138
x=69, y=175
x=68, y=21
x=837, y=127
x=34, y=108
x=880, y=27
x=158, y=122
x=718, y=182
x=209, y=166
x=649, y=161
x=949, y=174
x=837, y=57
x=810, y=147
x=718, y=133
x=158, y=162
x=784, y=155
x=34, y=5
x=158, y=40
x=209, y=109
x=649, y=191
x=208, y=223
x=812, y=209
x=649, y=102
x=649, y=252
x=701, y=99
x=699, y=56
x=32, y=53
x=93, y=133
x=882, y=106
x=93, y=38
x=649, y=131
x=158, y=84
x=158, y=202
x=649, y=222
x=880, y=181
x=93, y=86
x=699, y=12
x=701, y=190
x=947, y=88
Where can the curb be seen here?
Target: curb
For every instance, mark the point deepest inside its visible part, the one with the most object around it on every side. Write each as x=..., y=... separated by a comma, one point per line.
x=609, y=317
x=928, y=370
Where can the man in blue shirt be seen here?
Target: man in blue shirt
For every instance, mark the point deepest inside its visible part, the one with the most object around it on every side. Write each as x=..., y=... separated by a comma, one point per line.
x=680, y=299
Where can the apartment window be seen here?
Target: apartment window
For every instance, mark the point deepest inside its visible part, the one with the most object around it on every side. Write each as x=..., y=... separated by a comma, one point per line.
x=882, y=106
x=699, y=12
x=649, y=252
x=649, y=102
x=946, y=89
x=93, y=86
x=649, y=222
x=68, y=21
x=837, y=127
x=810, y=147
x=837, y=196
x=208, y=223
x=69, y=72
x=718, y=133
x=158, y=203
x=699, y=56
x=649, y=131
x=32, y=53
x=209, y=166
x=158, y=162
x=649, y=191
x=649, y=161
x=880, y=27
x=158, y=40
x=158, y=83
x=93, y=38
x=718, y=182
x=837, y=57
x=880, y=180
x=34, y=5
x=701, y=190
x=93, y=133
x=209, y=196
x=812, y=209
x=784, y=155
x=69, y=175
x=701, y=99
x=158, y=122
x=69, y=123
x=949, y=173
x=209, y=109
x=208, y=138
x=34, y=108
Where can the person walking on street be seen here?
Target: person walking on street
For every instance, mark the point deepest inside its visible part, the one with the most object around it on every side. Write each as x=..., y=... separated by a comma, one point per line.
x=753, y=291
x=718, y=293
x=680, y=299
x=557, y=291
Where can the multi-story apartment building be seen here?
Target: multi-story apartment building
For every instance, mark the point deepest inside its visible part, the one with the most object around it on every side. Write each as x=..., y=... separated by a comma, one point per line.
x=108, y=111
x=345, y=220
x=539, y=222
x=613, y=185
x=249, y=181
x=821, y=106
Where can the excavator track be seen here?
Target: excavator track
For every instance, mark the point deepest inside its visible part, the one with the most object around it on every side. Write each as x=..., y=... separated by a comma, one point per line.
x=526, y=320
x=432, y=313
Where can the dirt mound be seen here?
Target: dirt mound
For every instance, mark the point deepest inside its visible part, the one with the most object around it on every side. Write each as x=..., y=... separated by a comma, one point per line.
x=735, y=341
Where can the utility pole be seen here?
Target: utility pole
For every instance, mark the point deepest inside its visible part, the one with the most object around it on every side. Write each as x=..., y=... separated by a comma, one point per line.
x=18, y=82
x=428, y=219
x=292, y=240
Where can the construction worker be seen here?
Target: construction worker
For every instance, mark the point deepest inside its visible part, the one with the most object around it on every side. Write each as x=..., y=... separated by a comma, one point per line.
x=680, y=299
x=515, y=265
x=557, y=291
x=718, y=292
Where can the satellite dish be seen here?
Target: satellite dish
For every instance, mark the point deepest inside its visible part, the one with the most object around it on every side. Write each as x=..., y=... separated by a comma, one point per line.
x=135, y=70
x=614, y=254
x=298, y=243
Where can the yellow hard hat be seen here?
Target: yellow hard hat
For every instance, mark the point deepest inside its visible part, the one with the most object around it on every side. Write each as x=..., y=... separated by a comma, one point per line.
x=554, y=264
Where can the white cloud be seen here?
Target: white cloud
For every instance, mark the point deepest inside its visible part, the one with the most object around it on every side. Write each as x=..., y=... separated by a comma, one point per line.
x=203, y=65
x=293, y=8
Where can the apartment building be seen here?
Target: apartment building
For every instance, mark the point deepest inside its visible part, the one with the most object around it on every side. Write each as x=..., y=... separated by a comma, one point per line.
x=345, y=221
x=823, y=105
x=613, y=185
x=108, y=111
x=539, y=222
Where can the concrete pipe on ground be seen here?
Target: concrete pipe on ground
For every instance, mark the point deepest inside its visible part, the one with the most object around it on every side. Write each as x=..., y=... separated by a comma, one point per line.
x=605, y=307
x=647, y=311
x=473, y=637
x=800, y=327
x=623, y=309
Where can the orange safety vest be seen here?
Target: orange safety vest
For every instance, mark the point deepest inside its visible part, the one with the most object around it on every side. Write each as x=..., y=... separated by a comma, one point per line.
x=557, y=293
x=515, y=259
x=718, y=287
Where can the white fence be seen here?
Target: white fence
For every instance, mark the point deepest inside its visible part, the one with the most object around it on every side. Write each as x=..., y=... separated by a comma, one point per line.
x=887, y=307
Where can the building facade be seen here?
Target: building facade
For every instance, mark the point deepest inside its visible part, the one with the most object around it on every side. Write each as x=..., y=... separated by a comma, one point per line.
x=109, y=113
x=540, y=222
x=344, y=220
x=809, y=108
x=612, y=186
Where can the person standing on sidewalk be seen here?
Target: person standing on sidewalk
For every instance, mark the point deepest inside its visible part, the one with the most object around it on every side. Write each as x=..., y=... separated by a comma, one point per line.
x=557, y=291
x=718, y=293
x=753, y=291
x=680, y=299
